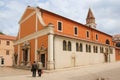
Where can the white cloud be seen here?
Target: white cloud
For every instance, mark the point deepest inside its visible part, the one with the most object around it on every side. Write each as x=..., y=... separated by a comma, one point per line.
x=105, y=11
x=1, y=3
x=68, y=8
x=9, y=17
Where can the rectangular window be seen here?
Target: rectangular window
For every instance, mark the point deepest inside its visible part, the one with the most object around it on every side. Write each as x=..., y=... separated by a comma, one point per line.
x=75, y=30
x=8, y=43
x=96, y=36
x=87, y=34
x=59, y=26
x=7, y=52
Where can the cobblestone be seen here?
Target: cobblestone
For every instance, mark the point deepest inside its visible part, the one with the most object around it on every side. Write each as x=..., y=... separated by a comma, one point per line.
x=108, y=71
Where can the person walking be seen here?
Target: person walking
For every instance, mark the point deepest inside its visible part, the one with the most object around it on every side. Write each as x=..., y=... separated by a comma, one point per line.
x=34, y=68
x=40, y=66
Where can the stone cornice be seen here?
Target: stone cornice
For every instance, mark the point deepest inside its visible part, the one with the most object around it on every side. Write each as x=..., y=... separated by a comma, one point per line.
x=68, y=36
x=38, y=13
x=20, y=22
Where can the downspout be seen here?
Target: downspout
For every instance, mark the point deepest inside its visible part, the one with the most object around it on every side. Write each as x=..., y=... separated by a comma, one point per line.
x=54, y=50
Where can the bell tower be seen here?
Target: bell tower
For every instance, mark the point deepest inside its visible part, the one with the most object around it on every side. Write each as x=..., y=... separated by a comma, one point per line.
x=90, y=20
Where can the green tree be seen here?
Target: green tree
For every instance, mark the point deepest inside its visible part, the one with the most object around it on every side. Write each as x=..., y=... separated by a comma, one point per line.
x=1, y=33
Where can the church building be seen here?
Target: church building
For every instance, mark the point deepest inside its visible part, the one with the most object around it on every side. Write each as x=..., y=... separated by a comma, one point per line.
x=59, y=42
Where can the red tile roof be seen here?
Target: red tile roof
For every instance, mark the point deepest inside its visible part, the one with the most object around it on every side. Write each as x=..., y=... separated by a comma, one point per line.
x=7, y=37
x=71, y=20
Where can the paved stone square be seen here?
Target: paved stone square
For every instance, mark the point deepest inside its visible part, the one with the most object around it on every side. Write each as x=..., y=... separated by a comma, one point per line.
x=109, y=71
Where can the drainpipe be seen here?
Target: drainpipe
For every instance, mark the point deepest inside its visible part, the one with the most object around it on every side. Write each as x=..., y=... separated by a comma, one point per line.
x=54, y=50
x=109, y=53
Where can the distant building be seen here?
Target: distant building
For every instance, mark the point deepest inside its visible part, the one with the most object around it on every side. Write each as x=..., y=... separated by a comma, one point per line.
x=6, y=50
x=60, y=42
x=116, y=40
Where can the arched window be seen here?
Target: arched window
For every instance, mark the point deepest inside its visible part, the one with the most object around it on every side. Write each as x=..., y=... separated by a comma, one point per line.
x=89, y=48
x=118, y=44
x=87, y=34
x=77, y=47
x=75, y=31
x=69, y=46
x=86, y=48
x=107, y=42
x=64, y=45
x=94, y=49
x=81, y=47
x=59, y=26
x=2, y=61
x=100, y=49
x=96, y=36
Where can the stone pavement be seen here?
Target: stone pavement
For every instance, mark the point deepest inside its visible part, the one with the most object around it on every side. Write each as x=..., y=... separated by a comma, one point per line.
x=109, y=71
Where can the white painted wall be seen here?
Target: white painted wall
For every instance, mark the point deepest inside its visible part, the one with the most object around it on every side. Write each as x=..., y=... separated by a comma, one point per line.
x=8, y=61
x=64, y=58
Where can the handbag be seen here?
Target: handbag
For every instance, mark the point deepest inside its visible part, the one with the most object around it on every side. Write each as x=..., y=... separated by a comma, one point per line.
x=31, y=70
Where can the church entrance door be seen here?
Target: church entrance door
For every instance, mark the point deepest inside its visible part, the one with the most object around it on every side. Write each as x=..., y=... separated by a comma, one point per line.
x=42, y=52
x=25, y=56
x=43, y=59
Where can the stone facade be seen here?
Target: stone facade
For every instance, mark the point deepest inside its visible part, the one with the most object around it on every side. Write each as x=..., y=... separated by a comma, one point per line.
x=116, y=40
x=76, y=58
x=6, y=50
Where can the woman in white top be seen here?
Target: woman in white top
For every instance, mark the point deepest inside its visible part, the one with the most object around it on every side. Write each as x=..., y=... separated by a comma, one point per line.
x=40, y=66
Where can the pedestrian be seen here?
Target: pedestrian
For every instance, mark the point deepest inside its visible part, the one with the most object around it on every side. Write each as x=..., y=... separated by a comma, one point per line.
x=34, y=68
x=40, y=67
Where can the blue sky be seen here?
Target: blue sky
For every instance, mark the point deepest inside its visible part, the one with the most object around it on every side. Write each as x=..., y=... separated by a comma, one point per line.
x=106, y=12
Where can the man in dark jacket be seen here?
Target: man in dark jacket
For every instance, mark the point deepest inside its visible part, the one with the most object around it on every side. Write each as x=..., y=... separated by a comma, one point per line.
x=34, y=68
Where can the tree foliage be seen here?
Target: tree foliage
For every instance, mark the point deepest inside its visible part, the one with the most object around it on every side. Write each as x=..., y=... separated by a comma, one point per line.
x=1, y=33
